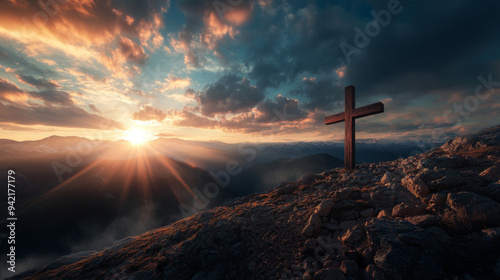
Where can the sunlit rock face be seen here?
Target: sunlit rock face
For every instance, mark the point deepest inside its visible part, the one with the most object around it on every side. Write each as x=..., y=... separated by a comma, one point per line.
x=430, y=216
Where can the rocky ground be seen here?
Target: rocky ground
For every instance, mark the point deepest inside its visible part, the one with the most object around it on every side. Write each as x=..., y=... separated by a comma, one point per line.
x=432, y=216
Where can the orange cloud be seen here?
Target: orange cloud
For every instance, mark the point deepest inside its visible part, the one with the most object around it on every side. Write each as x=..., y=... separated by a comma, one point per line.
x=149, y=113
x=173, y=82
x=85, y=29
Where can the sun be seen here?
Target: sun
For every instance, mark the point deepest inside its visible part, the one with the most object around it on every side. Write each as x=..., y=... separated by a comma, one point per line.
x=137, y=136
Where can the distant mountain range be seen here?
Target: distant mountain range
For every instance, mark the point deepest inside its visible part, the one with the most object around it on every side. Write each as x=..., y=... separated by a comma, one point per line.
x=80, y=193
x=435, y=215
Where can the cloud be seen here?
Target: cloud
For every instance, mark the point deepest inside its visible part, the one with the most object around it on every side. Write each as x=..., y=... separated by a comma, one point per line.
x=16, y=107
x=70, y=116
x=12, y=93
x=149, y=113
x=51, y=96
x=20, y=64
x=229, y=94
x=131, y=51
x=94, y=108
x=85, y=29
x=207, y=23
x=280, y=114
x=38, y=83
x=322, y=93
x=173, y=82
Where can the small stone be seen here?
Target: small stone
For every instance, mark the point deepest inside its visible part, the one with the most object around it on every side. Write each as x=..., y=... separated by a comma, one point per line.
x=349, y=215
x=350, y=268
x=368, y=213
x=324, y=208
x=437, y=201
x=373, y=272
x=330, y=273
x=387, y=178
x=496, y=269
x=384, y=214
x=343, y=194
x=313, y=226
x=491, y=174
x=345, y=225
x=332, y=227
x=251, y=266
x=350, y=237
x=255, y=219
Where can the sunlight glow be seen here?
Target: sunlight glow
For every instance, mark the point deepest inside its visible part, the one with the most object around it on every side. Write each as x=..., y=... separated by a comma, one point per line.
x=137, y=136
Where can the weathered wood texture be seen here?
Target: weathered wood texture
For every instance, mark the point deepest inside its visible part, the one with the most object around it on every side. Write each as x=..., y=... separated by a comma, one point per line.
x=348, y=116
x=350, y=129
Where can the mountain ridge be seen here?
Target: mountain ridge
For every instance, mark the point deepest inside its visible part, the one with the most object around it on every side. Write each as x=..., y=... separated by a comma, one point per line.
x=403, y=219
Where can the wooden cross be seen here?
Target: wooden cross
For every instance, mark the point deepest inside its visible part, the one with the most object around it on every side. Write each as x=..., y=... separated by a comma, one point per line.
x=351, y=113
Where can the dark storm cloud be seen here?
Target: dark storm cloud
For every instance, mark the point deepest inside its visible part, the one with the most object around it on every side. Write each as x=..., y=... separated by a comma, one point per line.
x=321, y=93
x=229, y=94
x=291, y=44
x=280, y=113
x=455, y=43
x=149, y=113
x=281, y=109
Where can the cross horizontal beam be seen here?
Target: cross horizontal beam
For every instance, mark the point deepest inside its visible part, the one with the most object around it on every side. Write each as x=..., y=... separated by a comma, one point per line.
x=360, y=112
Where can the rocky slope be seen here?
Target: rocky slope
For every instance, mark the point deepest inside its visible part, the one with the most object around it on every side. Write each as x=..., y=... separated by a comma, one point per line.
x=432, y=216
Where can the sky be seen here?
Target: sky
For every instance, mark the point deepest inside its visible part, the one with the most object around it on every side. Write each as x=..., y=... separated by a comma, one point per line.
x=246, y=71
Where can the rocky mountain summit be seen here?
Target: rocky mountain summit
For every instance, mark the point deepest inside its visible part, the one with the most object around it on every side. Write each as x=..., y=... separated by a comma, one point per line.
x=435, y=215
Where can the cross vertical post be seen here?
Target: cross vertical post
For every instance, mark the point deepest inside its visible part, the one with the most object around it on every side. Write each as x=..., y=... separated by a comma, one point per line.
x=350, y=129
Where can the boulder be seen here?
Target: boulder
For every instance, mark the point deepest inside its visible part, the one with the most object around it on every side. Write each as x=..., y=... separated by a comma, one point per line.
x=424, y=220
x=441, y=179
x=451, y=161
x=474, y=205
x=405, y=209
x=405, y=251
x=415, y=185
